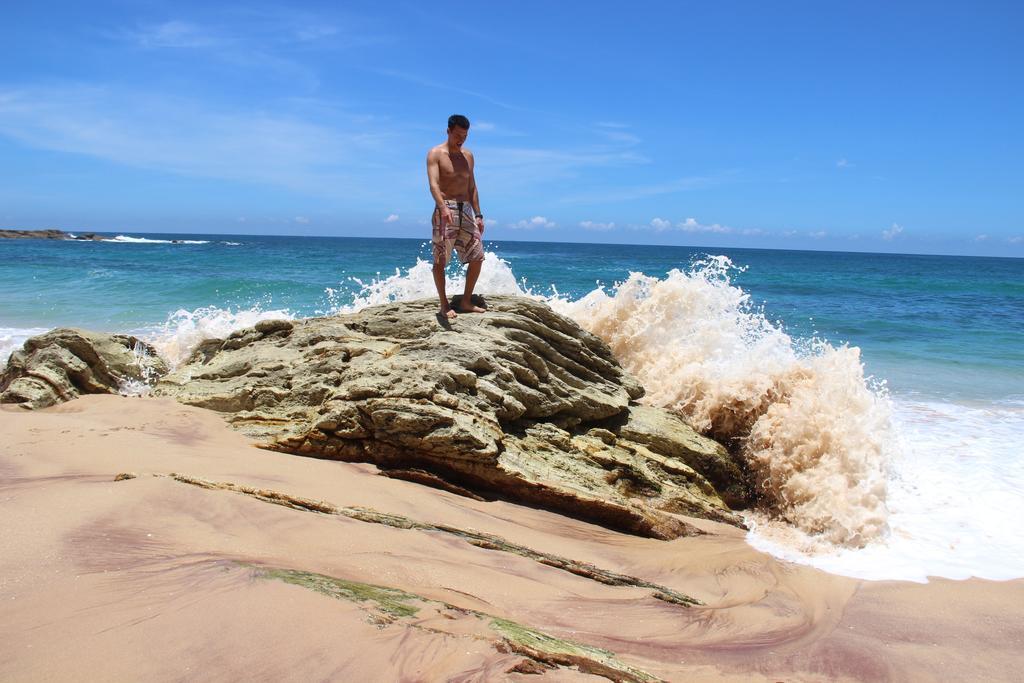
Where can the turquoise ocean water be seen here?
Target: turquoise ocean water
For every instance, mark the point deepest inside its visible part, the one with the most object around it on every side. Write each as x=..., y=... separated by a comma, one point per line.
x=941, y=340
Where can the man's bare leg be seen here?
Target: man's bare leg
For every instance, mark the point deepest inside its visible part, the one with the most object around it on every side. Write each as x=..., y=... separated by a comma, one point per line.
x=439, y=283
x=466, y=303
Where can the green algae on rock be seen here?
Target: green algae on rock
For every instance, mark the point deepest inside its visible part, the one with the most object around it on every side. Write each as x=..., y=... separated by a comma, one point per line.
x=475, y=538
x=388, y=600
x=388, y=605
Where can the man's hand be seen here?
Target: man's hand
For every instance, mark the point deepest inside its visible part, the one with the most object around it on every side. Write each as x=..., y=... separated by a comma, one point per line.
x=480, y=224
x=446, y=215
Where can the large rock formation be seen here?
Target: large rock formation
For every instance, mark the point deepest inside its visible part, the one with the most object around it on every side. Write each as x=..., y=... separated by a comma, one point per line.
x=519, y=403
x=65, y=363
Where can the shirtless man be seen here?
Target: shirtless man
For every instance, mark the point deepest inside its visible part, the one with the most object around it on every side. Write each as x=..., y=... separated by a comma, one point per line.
x=457, y=221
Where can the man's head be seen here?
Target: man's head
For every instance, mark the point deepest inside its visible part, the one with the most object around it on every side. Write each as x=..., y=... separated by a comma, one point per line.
x=458, y=129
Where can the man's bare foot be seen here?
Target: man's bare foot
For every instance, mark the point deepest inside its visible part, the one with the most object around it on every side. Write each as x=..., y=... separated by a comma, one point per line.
x=450, y=314
x=471, y=309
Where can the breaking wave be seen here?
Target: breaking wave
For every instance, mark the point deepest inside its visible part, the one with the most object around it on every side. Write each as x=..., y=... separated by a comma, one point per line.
x=184, y=330
x=815, y=431
x=125, y=239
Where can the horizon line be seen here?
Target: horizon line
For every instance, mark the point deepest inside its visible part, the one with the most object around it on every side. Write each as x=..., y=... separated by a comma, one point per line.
x=427, y=238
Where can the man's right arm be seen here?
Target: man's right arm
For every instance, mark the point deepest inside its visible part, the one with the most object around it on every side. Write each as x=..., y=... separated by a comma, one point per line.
x=434, y=176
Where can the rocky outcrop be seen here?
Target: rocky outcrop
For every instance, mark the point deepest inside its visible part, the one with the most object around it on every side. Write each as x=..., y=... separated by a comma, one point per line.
x=49, y=234
x=519, y=403
x=65, y=363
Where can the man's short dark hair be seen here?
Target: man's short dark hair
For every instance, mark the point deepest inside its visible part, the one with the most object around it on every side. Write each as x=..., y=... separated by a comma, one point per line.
x=458, y=120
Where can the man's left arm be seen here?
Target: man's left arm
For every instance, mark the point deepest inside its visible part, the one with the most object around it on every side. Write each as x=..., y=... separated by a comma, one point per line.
x=474, y=196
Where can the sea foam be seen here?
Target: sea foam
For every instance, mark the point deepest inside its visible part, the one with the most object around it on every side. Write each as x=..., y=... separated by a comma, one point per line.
x=125, y=239
x=184, y=330
x=417, y=282
x=803, y=414
x=11, y=339
x=953, y=498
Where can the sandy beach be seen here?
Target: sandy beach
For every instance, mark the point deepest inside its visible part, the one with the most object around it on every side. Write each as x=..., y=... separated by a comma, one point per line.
x=206, y=575
x=666, y=342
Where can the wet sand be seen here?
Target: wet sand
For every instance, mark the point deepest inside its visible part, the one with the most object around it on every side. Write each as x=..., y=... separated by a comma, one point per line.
x=157, y=577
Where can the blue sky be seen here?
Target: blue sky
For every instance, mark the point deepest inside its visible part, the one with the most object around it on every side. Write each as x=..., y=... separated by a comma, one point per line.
x=862, y=126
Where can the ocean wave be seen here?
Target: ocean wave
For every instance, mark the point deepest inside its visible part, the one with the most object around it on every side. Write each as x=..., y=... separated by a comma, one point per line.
x=417, y=282
x=183, y=330
x=11, y=339
x=816, y=434
x=953, y=498
x=125, y=239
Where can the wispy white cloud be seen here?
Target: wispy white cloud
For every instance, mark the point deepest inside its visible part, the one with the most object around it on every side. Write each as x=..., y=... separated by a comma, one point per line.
x=261, y=40
x=491, y=129
x=844, y=163
x=618, y=135
x=981, y=238
x=314, y=32
x=188, y=137
x=533, y=223
x=594, y=225
x=1017, y=239
x=789, y=233
x=174, y=34
x=627, y=138
x=892, y=233
x=391, y=218
x=251, y=28
x=817, y=234
x=625, y=194
x=436, y=85
x=693, y=225
x=532, y=167
x=302, y=220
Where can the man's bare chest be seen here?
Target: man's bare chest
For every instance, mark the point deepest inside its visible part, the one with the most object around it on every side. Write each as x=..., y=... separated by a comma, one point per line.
x=454, y=167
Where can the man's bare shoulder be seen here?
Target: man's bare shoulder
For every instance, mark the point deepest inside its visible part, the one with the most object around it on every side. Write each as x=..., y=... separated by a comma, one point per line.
x=437, y=151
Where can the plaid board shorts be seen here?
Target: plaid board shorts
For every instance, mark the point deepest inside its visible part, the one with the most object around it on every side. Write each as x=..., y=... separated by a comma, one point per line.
x=461, y=234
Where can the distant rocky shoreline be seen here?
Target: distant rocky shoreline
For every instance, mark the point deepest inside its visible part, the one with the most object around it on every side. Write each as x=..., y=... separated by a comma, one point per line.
x=51, y=234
